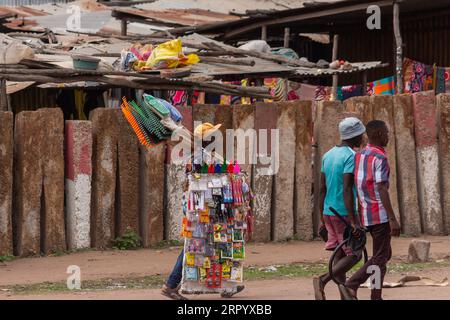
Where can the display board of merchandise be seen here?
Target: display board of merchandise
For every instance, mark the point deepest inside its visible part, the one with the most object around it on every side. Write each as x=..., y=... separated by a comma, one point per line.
x=216, y=222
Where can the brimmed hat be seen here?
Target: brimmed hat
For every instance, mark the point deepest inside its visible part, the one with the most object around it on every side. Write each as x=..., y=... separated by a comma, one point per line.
x=351, y=127
x=205, y=129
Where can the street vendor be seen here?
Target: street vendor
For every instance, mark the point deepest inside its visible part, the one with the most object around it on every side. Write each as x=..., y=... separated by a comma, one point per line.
x=173, y=283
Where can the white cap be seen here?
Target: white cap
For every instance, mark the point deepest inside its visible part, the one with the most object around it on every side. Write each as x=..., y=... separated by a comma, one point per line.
x=351, y=127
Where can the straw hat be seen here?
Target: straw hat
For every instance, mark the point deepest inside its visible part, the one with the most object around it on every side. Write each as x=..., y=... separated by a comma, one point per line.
x=205, y=129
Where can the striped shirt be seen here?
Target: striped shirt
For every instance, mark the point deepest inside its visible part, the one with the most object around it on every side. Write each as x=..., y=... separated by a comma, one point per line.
x=371, y=167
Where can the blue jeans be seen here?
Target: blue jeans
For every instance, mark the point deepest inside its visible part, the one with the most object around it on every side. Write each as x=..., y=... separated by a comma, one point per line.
x=177, y=273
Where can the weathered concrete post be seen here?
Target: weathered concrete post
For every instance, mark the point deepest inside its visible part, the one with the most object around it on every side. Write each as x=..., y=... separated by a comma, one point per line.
x=425, y=120
x=78, y=183
x=39, y=181
x=104, y=166
x=152, y=194
x=284, y=180
x=265, y=119
x=406, y=164
x=6, y=184
x=303, y=211
x=444, y=155
x=27, y=184
x=127, y=218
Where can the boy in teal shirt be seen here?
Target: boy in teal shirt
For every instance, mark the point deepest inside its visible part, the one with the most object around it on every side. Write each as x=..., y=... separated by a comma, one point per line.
x=337, y=191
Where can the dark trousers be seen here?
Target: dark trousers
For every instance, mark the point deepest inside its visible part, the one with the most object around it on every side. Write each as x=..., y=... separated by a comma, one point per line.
x=177, y=273
x=382, y=252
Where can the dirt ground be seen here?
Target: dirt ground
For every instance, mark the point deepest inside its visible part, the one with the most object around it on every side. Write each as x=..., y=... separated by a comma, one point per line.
x=122, y=264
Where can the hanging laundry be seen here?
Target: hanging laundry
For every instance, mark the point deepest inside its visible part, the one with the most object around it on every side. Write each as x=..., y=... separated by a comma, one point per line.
x=178, y=98
x=440, y=80
x=322, y=93
x=382, y=86
x=447, y=80
x=417, y=76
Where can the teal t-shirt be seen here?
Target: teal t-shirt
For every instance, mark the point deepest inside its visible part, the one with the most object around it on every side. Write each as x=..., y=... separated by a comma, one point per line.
x=335, y=163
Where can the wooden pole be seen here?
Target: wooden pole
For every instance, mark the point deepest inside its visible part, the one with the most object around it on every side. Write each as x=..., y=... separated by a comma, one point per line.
x=399, y=49
x=123, y=27
x=3, y=95
x=287, y=32
x=264, y=33
x=364, y=83
x=334, y=58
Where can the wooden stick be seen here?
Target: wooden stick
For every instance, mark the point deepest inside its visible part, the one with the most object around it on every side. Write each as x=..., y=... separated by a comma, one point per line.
x=164, y=84
x=287, y=33
x=364, y=82
x=334, y=58
x=241, y=62
x=399, y=49
x=264, y=33
x=216, y=53
x=3, y=95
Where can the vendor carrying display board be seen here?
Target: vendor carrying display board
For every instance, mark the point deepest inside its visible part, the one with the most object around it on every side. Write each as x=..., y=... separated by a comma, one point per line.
x=216, y=216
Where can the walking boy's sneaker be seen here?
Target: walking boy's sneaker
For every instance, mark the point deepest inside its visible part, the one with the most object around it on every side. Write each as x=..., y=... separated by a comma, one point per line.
x=172, y=293
x=230, y=294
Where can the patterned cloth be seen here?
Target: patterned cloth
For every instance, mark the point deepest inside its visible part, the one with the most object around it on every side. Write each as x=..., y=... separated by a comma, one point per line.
x=382, y=86
x=371, y=167
x=347, y=92
x=417, y=76
x=178, y=98
x=322, y=93
x=447, y=80
x=440, y=80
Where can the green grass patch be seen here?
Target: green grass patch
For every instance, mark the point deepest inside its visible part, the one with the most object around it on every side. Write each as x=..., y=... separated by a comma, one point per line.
x=287, y=271
x=130, y=240
x=296, y=270
x=147, y=282
x=7, y=257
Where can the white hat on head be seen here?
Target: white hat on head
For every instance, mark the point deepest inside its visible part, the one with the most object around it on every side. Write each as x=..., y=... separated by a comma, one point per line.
x=351, y=127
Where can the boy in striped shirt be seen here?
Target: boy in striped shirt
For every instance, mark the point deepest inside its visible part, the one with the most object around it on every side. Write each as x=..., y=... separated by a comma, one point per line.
x=372, y=184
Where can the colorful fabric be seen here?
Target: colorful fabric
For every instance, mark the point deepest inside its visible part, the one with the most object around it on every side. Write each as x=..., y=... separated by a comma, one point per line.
x=178, y=98
x=371, y=167
x=440, y=80
x=271, y=83
x=382, y=86
x=322, y=93
x=417, y=76
x=447, y=80
x=335, y=163
x=351, y=91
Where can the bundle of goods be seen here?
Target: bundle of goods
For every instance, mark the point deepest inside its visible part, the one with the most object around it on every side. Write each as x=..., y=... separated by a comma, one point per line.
x=216, y=223
x=166, y=55
x=153, y=120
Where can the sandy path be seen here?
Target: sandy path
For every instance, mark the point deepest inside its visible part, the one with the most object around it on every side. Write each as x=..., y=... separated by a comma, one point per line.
x=295, y=289
x=122, y=264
